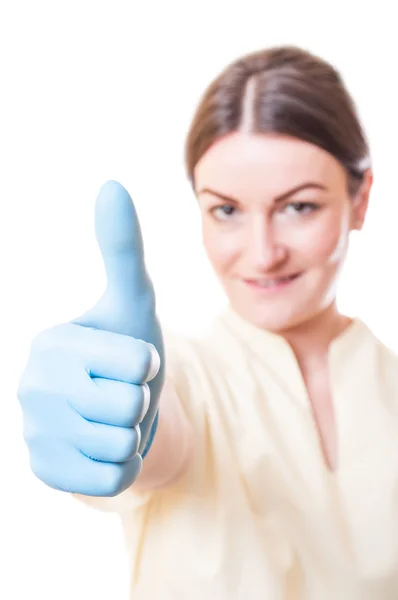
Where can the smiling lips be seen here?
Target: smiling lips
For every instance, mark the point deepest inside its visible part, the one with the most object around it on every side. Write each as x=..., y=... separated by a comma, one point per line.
x=271, y=284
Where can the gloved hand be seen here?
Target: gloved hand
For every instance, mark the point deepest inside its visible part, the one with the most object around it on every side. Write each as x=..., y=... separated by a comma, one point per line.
x=87, y=408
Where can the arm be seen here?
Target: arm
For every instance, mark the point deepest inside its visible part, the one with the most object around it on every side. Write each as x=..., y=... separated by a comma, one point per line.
x=86, y=419
x=172, y=446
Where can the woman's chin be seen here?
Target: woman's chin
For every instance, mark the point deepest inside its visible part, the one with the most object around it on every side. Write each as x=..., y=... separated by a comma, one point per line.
x=275, y=321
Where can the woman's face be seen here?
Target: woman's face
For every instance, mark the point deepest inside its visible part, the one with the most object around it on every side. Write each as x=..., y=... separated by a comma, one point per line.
x=276, y=218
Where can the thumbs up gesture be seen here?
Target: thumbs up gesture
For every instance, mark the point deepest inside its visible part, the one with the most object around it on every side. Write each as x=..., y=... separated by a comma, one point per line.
x=90, y=391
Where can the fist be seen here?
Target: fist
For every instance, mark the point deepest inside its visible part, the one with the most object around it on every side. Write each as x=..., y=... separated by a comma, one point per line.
x=90, y=391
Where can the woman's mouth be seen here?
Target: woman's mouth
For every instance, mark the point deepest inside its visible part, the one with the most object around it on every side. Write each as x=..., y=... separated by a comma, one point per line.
x=266, y=284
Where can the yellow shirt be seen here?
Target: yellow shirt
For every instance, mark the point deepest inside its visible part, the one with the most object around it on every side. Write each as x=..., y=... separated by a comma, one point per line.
x=258, y=516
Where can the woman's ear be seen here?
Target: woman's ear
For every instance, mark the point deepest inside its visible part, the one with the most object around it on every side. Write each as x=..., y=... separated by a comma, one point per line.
x=360, y=201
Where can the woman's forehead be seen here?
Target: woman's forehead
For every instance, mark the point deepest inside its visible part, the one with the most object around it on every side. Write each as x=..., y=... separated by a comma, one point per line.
x=269, y=163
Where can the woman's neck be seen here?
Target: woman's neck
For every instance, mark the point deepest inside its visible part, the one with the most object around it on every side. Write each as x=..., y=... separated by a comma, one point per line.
x=310, y=341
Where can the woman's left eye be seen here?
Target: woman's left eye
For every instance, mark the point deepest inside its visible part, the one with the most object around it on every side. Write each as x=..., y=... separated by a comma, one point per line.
x=302, y=207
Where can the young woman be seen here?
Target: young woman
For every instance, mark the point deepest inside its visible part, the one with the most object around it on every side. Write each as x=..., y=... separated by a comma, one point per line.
x=271, y=468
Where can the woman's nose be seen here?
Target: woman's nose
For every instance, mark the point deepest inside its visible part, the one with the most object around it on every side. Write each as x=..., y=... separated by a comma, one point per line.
x=265, y=249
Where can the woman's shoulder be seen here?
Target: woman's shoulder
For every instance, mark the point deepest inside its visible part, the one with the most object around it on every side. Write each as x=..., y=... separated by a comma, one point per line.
x=379, y=346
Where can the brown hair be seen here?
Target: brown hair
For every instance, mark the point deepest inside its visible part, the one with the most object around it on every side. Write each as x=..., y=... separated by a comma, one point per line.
x=293, y=92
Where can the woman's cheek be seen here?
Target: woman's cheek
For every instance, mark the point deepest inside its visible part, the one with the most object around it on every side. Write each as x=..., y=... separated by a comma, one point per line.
x=222, y=249
x=326, y=244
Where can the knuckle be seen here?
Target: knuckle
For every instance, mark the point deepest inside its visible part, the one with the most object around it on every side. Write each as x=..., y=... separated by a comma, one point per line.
x=54, y=338
x=24, y=388
x=136, y=440
x=154, y=364
x=144, y=402
x=113, y=480
x=118, y=477
x=128, y=443
x=29, y=388
x=137, y=403
x=43, y=341
x=30, y=432
x=142, y=355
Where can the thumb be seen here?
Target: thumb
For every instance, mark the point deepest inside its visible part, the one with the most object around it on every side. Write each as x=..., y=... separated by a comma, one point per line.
x=128, y=304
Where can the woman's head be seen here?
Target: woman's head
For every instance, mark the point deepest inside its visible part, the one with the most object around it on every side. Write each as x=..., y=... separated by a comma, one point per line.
x=281, y=168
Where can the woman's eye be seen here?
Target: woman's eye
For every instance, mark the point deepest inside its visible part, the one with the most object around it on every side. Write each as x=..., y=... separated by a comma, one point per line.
x=223, y=212
x=302, y=207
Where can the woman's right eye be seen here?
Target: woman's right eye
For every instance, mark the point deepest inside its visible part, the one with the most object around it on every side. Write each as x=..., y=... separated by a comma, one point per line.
x=223, y=212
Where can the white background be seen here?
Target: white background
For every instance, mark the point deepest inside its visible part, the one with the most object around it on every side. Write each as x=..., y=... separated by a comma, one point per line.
x=91, y=91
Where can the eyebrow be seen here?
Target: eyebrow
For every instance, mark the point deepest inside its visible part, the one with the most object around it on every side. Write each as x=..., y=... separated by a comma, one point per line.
x=281, y=198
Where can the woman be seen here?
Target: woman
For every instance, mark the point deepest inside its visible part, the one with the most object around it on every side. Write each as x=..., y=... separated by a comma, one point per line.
x=273, y=471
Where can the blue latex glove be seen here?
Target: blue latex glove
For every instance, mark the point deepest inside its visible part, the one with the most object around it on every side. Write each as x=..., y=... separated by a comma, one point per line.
x=87, y=409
